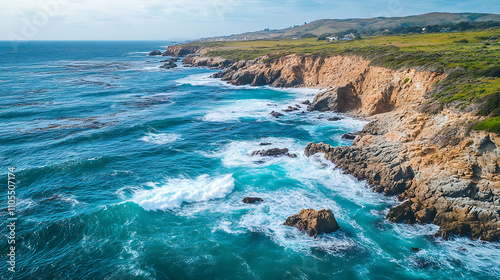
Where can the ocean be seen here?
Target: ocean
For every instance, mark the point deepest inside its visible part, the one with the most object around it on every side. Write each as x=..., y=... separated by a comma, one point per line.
x=124, y=170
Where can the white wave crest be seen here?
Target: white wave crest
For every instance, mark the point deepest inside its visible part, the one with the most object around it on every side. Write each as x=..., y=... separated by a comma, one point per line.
x=235, y=111
x=200, y=80
x=161, y=138
x=176, y=191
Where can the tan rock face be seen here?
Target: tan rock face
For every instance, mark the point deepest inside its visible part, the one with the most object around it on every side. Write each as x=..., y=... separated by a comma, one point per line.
x=314, y=222
x=447, y=173
x=200, y=61
x=450, y=177
x=295, y=70
x=184, y=50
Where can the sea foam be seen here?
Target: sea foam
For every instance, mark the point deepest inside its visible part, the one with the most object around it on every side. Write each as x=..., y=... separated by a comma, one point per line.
x=177, y=191
x=160, y=138
x=237, y=110
x=200, y=80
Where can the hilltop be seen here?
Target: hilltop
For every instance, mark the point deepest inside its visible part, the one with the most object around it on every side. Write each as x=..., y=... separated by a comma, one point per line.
x=370, y=26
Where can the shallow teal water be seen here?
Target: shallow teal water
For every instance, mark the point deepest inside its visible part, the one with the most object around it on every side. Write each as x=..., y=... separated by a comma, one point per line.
x=127, y=171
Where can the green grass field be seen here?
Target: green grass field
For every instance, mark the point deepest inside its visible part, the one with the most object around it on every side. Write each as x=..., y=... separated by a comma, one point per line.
x=472, y=60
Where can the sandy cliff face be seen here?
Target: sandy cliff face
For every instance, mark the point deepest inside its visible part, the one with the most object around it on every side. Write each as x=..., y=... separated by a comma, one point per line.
x=353, y=86
x=443, y=171
x=295, y=70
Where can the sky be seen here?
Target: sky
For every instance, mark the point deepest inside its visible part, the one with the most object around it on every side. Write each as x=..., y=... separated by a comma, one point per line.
x=192, y=19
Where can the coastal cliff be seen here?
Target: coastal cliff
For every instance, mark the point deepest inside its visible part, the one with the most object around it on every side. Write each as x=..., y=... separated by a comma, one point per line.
x=442, y=170
x=183, y=50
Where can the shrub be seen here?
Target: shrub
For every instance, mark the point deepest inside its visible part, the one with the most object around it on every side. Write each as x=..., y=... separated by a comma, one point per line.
x=307, y=35
x=493, y=71
x=491, y=125
x=491, y=106
x=406, y=80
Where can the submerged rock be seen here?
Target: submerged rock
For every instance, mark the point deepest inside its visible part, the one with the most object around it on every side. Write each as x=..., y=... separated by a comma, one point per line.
x=169, y=64
x=290, y=109
x=155, y=52
x=350, y=136
x=273, y=153
x=334, y=119
x=174, y=59
x=265, y=144
x=276, y=114
x=252, y=200
x=421, y=263
x=314, y=222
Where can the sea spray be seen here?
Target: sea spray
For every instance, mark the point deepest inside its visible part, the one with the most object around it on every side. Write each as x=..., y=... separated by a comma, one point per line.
x=161, y=138
x=181, y=190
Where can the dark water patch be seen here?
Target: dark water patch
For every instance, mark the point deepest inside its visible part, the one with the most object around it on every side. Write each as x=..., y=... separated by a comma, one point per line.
x=146, y=102
x=43, y=104
x=88, y=82
x=68, y=126
x=41, y=90
x=98, y=65
x=93, y=236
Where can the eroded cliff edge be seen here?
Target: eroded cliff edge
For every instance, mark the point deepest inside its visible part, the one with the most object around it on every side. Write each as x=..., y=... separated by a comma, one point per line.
x=442, y=170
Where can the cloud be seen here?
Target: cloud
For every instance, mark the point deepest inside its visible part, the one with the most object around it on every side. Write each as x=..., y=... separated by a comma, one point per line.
x=137, y=19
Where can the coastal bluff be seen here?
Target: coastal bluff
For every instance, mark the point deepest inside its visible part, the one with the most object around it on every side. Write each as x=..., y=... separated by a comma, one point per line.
x=440, y=168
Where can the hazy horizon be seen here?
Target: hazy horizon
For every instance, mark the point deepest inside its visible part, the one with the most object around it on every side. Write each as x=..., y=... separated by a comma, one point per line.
x=157, y=20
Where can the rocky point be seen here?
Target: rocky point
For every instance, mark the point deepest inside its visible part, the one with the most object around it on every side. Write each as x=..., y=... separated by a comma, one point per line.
x=442, y=170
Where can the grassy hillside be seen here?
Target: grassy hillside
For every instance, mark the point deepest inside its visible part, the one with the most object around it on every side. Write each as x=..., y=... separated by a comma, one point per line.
x=333, y=26
x=472, y=60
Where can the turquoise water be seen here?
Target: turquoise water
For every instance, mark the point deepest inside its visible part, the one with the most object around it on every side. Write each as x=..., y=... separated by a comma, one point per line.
x=128, y=171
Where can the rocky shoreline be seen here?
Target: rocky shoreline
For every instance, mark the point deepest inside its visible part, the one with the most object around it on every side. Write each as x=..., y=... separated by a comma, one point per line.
x=442, y=170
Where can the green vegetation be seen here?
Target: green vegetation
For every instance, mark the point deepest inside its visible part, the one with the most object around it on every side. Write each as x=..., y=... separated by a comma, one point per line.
x=432, y=22
x=491, y=106
x=447, y=27
x=493, y=71
x=463, y=41
x=491, y=125
x=436, y=50
x=416, y=29
x=406, y=80
x=473, y=68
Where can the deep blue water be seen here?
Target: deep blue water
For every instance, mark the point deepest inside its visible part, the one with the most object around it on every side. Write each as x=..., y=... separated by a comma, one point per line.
x=128, y=171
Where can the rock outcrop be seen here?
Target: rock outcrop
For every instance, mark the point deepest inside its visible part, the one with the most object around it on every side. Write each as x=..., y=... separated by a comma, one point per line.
x=442, y=170
x=201, y=61
x=276, y=114
x=182, y=50
x=296, y=70
x=155, y=52
x=252, y=200
x=455, y=185
x=169, y=64
x=273, y=153
x=174, y=59
x=314, y=222
x=349, y=136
